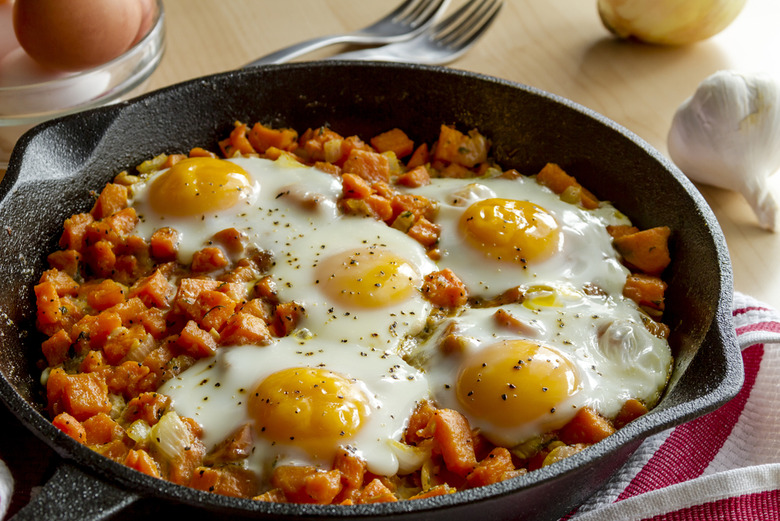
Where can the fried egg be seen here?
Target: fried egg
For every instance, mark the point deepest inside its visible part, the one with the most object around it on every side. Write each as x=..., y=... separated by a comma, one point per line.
x=356, y=279
x=520, y=370
x=303, y=402
x=499, y=233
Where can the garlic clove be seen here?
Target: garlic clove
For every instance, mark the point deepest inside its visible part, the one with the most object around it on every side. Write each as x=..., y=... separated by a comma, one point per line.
x=668, y=22
x=728, y=135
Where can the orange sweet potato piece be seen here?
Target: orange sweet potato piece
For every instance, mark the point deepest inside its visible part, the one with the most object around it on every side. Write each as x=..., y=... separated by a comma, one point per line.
x=417, y=205
x=215, y=309
x=630, y=411
x=456, y=147
x=70, y=426
x=148, y=406
x=371, y=166
x=287, y=315
x=395, y=141
x=556, y=179
x=112, y=198
x=376, y=492
x=101, y=429
x=587, y=426
x=236, y=447
x=619, y=230
x=66, y=261
x=354, y=186
x=229, y=481
x=74, y=229
x=154, y=290
x=101, y=258
x=130, y=379
x=262, y=138
x=438, y=490
x=208, y=259
x=647, y=250
x=163, y=244
x=275, y=495
x=425, y=232
x=232, y=239
x=306, y=484
x=62, y=281
x=122, y=222
x=48, y=313
x=645, y=290
x=420, y=157
x=415, y=178
x=195, y=341
x=201, y=152
x=419, y=420
x=55, y=348
x=492, y=469
x=141, y=461
x=106, y=294
x=453, y=435
x=239, y=141
x=244, y=328
x=81, y=395
x=444, y=289
x=352, y=470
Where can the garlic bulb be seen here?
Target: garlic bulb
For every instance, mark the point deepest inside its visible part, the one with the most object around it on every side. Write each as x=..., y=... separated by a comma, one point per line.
x=668, y=22
x=728, y=135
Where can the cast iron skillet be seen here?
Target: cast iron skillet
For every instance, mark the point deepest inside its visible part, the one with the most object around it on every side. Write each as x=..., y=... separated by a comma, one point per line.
x=55, y=166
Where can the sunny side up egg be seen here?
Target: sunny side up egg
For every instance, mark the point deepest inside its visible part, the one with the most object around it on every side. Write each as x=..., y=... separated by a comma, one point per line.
x=356, y=279
x=500, y=233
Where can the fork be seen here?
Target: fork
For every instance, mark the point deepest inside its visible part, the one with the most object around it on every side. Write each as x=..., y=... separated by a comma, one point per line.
x=408, y=20
x=445, y=42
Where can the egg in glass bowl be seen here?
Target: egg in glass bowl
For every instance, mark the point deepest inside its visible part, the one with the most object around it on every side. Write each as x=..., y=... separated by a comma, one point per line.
x=38, y=84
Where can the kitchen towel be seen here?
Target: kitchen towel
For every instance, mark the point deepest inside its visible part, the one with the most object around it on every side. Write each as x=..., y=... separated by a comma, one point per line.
x=723, y=466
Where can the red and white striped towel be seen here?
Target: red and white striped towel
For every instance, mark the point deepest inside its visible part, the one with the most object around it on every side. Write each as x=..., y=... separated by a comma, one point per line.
x=722, y=466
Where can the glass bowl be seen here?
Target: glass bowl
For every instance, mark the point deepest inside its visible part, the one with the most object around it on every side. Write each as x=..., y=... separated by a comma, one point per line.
x=24, y=106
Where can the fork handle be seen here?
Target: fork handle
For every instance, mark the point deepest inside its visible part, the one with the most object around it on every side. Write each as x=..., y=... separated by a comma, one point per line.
x=299, y=49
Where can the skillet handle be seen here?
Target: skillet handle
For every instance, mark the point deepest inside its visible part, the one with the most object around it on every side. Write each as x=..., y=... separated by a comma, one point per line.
x=72, y=495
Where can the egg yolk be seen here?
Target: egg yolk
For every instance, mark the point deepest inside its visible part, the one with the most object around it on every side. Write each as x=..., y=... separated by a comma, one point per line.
x=514, y=382
x=197, y=185
x=368, y=278
x=510, y=230
x=313, y=408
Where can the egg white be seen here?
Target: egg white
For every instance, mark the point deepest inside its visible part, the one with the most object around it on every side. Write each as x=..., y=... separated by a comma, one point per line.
x=215, y=393
x=615, y=356
x=586, y=255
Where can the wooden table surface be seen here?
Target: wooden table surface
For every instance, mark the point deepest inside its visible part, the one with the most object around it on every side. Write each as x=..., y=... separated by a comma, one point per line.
x=556, y=45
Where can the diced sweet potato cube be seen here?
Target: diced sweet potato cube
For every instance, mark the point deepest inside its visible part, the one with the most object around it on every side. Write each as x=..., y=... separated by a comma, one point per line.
x=425, y=232
x=492, y=469
x=395, y=141
x=164, y=244
x=74, y=229
x=111, y=199
x=369, y=165
x=48, y=307
x=154, y=290
x=62, y=281
x=245, y=329
x=101, y=429
x=101, y=258
x=287, y=315
x=444, y=289
x=647, y=250
x=195, y=341
x=66, y=261
x=141, y=461
x=456, y=147
x=56, y=347
x=106, y=294
x=354, y=186
x=453, y=435
x=556, y=179
x=262, y=138
x=215, y=309
x=208, y=259
x=232, y=239
x=229, y=481
x=645, y=290
x=149, y=406
x=81, y=395
x=415, y=178
x=630, y=411
x=376, y=492
x=587, y=426
x=420, y=157
x=70, y=426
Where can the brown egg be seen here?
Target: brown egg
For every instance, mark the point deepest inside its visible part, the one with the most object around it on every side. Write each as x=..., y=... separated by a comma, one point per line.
x=76, y=34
